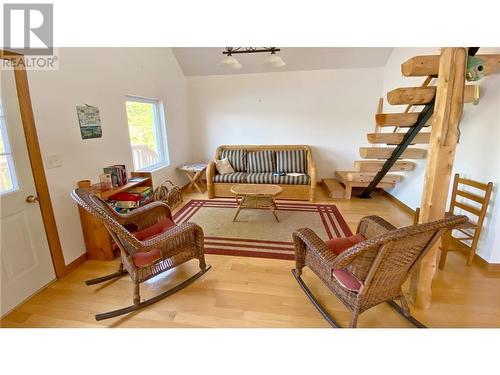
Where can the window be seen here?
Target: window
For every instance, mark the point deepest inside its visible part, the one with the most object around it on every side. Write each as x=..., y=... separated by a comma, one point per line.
x=148, y=139
x=8, y=179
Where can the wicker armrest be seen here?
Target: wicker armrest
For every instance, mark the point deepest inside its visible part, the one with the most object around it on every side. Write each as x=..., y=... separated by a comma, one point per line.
x=147, y=215
x=306, y=241
x=210, y=172
x=372, y=226
x=190, y=231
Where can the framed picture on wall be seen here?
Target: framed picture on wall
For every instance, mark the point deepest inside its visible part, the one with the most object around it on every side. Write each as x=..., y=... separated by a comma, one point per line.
x=90, y=121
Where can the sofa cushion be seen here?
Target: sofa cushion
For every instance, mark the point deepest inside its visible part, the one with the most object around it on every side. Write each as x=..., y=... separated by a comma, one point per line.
x=237, y=158
x=261, y=161
x=237, y=177
x=260, y=178
x=223, y=166
x=291, y=180
x=289, y=161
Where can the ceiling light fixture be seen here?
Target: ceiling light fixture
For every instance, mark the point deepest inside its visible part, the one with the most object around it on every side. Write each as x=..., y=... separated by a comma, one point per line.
x=273, y=60
x=229, y=62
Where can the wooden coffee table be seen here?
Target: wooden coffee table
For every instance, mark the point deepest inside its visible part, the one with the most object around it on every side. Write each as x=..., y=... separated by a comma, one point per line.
x=256, y=196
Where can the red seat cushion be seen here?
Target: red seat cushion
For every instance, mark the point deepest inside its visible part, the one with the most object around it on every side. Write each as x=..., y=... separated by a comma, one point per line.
x=343, y=276
x=144, y=259
x=154, y=230
x=338, y=245
x=347, y=279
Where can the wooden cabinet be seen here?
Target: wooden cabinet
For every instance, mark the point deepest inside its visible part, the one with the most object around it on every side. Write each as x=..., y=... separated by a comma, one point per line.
x=98, y=241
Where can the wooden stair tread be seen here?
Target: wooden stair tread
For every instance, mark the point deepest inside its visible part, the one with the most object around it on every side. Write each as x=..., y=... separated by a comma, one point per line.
x=334, y=188
x=368, y=177
x=386, y=152
x=396, y=138
x=422, y=95
x=343, y=177
x=376, y=165
x=421, y=66
x=398, y=119
x=428, y=65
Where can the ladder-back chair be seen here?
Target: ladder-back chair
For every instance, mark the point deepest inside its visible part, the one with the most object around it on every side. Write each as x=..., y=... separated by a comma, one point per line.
x=471, y=197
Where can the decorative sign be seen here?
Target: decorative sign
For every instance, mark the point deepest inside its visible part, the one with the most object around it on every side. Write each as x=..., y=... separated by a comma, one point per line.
x=90, y=121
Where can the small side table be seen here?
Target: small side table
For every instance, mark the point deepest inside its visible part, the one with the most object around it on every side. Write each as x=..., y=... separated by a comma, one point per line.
x=195, y=174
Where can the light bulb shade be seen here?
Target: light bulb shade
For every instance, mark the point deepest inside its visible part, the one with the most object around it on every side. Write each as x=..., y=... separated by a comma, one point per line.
x=229, y=62
x=273, y=61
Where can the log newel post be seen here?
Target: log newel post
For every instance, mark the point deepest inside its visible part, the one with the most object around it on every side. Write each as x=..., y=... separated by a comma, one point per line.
x=444, y=137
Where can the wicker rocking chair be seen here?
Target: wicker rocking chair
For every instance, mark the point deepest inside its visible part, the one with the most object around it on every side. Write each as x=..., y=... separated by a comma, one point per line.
x=369, y=268
x=157, y=245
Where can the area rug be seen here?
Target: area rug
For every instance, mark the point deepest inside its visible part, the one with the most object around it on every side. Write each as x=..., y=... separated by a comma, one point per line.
x=256, y=233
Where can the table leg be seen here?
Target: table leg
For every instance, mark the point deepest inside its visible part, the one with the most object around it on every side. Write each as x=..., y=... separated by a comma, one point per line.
x=240, y=203
x=194, y=179
x=273, y=209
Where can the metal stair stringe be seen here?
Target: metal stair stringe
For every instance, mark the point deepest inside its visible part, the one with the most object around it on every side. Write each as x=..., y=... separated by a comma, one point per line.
x=423, y=117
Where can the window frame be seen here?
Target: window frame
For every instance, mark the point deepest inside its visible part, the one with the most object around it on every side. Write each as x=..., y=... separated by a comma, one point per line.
x=160, y=129
x=8, y=154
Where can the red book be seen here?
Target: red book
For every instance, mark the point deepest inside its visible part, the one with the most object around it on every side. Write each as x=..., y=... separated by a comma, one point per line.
x=124, y=196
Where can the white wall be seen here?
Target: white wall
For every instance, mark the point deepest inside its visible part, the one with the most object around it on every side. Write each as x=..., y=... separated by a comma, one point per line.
x=102, y=77
x=330, y=110
x=478, y=153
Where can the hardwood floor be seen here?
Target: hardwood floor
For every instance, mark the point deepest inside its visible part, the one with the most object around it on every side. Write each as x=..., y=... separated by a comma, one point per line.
x=251, y=292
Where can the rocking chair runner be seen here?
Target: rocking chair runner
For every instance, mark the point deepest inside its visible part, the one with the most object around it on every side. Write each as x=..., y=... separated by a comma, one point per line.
x=369, y=268
x=157, y=245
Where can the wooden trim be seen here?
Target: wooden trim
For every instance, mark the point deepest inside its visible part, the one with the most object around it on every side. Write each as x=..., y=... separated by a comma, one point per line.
x=36, y=162
x=397, y=202
x=75, y=264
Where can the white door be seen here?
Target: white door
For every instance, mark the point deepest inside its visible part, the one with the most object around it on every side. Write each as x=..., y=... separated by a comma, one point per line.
x=26, y=263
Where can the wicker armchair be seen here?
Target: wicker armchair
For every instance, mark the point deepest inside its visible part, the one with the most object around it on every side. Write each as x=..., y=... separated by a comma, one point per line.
x=155, y=246
x=369, y=268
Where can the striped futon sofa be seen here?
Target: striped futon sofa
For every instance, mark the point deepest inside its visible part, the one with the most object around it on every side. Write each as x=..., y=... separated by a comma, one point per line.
x=257, y=165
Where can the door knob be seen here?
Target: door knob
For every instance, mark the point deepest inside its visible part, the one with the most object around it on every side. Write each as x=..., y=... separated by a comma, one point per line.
x=32, y=199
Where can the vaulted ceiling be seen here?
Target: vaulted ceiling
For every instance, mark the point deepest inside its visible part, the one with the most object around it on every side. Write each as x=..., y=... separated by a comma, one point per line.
x=196, y=61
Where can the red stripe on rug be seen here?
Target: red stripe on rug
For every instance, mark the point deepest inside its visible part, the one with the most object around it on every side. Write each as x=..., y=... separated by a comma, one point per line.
x=252, y=254
x=325, y=224
x=192, y=213
x=342, y=223
x=330, y=218
x=249, y=240
x=248, y=246
x=182, y=211
x=208, y=205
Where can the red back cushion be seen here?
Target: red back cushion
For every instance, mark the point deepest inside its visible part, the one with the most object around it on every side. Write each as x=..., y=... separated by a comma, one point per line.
x=338, y=245
x=154, y=230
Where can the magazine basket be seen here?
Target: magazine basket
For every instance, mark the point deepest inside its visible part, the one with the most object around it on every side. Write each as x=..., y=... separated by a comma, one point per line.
x=168, y=193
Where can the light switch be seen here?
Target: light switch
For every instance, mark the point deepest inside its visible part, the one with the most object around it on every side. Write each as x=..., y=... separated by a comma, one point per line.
x=52, y=161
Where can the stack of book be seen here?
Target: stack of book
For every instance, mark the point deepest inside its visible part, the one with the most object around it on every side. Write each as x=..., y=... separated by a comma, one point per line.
x=118, y=174
x=132, y=198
